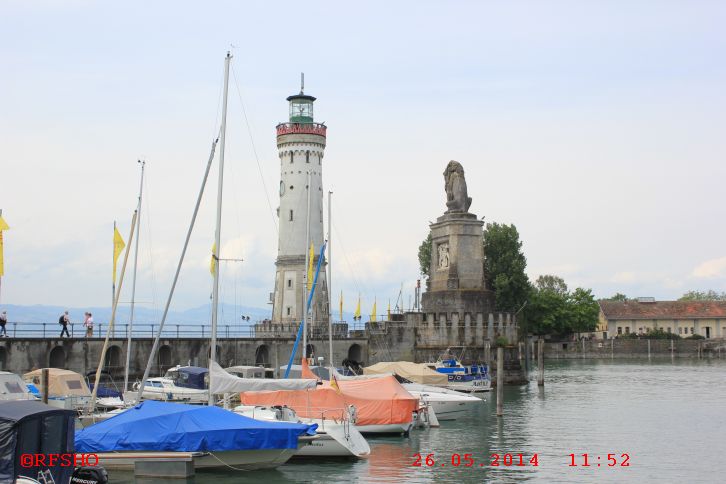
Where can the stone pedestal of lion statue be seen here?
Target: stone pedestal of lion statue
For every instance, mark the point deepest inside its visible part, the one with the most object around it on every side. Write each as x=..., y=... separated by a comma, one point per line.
x=456, y=281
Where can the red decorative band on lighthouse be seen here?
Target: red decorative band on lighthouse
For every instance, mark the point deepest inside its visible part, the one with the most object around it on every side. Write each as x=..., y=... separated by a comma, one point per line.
x=301, y=128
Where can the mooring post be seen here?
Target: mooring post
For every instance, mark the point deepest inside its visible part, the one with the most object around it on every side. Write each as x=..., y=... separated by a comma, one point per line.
x=648, y=349
x=540, y=362
x=612, y=348
x=500, y=381
x=44, y=377
x=672, y=355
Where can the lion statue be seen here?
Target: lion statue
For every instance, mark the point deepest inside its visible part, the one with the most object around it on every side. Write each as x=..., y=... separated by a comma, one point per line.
x=457, y=199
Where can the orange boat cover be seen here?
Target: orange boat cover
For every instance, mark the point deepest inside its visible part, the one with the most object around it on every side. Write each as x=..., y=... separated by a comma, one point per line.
x=378, y=402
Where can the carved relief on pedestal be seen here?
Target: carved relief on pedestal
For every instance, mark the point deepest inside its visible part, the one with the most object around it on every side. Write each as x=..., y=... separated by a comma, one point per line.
x=443, y=256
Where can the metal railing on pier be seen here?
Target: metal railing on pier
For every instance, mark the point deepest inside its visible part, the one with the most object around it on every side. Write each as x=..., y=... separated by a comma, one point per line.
x=18, y=329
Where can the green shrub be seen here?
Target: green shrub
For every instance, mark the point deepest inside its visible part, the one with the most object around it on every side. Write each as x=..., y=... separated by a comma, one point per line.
x=695, y=336
x=501, y=341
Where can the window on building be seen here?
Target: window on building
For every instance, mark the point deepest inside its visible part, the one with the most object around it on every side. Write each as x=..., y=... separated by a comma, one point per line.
x=669, y=329
x=307, y=157
x=288, y=310
x=691, y=329
x=290, y=215
x=680, y=330
x=289, y=283
x=292, y=156
x=627, y=330
x=620, y=330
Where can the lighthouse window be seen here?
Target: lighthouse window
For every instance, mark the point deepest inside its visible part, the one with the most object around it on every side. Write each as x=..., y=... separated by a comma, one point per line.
x=290, y=215
x=289, y=283
x=291, y=156
x=307, y=157
x=288, y=310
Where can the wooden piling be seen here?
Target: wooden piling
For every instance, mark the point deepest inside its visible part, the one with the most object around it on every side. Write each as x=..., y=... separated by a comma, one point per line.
x=44, y=383
x=540, y=362
x=500, y=381
x=648, y=349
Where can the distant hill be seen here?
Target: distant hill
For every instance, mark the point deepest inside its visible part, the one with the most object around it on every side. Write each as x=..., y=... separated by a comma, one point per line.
x=199, y=315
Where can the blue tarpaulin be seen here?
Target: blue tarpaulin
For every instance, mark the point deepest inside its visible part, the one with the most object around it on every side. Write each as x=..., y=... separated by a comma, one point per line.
x=162, y=426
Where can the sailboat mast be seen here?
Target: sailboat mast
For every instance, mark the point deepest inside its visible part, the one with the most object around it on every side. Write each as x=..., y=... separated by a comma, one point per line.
x=218, y=229
x=133, y=281
x=330, y=282
x=305, y=272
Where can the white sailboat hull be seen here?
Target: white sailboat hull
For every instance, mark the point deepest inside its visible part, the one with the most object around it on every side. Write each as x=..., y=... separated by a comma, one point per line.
x=239, y=459
x=401, y=428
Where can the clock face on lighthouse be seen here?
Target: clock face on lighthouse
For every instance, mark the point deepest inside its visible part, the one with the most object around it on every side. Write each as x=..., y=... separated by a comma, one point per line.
x=282, y=188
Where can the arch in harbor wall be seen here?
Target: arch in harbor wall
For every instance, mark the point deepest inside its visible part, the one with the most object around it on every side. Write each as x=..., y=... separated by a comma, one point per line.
x=165, y=358
x=113, y=357
x=310, y=350
x=355, y=353
x=57, y=358
x=262, y=356
x=3, y=358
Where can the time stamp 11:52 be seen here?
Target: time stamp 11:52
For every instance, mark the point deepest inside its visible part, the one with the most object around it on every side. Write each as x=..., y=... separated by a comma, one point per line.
x=517, y=460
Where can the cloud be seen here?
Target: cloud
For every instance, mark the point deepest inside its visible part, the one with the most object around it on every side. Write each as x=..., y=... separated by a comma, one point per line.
x=710, y=269
x=624, y=277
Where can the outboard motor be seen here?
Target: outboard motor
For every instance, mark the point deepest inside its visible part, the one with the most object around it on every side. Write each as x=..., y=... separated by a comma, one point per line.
x=89, y=475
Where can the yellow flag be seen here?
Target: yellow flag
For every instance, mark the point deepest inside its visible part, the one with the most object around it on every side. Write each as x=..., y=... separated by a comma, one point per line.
x=357, y=309
x=389, y=310
x=3, y=224
x=341, y=306
x=212, y=262
x=334, y=383
x=373, y=314
x=118, y=246
x=310, y=266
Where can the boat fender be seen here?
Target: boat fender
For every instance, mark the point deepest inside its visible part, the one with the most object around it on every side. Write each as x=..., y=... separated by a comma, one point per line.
x=89, y=475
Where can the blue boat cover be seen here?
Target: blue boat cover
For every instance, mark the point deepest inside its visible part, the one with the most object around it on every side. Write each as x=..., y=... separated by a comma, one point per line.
x=176, y=427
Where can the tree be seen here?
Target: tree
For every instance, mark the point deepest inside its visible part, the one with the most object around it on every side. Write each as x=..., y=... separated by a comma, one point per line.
x=504, y=265
x=618, y=297
x=584, y=310
x=709, y=295
x=546, y=312
x=553, y=283
x=424, y=256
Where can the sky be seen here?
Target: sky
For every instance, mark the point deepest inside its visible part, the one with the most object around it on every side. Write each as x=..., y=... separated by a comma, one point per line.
x=597, y=128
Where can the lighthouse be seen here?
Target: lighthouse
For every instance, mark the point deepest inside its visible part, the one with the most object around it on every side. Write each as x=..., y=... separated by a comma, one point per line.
x=300, y=145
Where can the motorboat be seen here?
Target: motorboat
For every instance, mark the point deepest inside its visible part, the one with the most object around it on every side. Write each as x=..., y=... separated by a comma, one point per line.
x=448, y=404
x=12, y=387
x=337, y=437
x=245, y=371
x=187, y=384
x=462, y=378
x=66, y=389
x=30, y=427
x=208, y=436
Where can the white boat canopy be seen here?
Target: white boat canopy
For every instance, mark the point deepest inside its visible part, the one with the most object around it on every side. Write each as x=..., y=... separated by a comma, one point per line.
x=416, y=372
x=222, y=382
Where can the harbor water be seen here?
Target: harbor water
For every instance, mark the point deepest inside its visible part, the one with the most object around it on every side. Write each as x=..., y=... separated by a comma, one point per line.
x=637, y=421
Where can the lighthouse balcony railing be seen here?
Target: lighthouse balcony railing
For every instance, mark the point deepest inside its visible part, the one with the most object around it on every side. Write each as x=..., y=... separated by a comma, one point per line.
x=302, y=128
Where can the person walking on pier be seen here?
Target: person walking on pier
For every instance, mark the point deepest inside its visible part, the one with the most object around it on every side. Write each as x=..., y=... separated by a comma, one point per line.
x=3, y=322
x=63, y=321
x=88, y=323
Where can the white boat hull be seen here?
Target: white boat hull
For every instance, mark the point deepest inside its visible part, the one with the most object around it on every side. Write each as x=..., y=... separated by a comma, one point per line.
x=239, y=459
x=401, y=428
x=473, y=386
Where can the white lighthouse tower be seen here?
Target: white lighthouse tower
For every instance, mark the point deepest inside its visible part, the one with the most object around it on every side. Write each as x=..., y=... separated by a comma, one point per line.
x=301, y=144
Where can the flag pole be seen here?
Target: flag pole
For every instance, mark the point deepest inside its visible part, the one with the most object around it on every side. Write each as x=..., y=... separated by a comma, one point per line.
x=113, y=285
x=330, y=284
